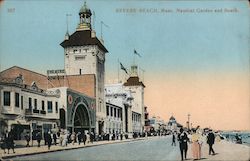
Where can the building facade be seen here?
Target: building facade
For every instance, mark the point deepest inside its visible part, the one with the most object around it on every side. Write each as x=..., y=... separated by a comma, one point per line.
x=84, y=54
x=27, y=108
x=136, y=87
x=117, y=97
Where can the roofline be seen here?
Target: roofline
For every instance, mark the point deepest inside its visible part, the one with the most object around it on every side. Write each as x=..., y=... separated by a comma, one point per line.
x=107, y=103
x=22, y=69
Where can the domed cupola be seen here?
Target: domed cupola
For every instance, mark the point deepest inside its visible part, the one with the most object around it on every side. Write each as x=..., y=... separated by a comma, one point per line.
x=85, y=18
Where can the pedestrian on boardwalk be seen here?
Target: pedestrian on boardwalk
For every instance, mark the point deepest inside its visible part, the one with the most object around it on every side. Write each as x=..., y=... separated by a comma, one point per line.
x=4, y=141
x=88, y=138
x=196, y=144
x=173, y=139
x=49, y=140
x=38, y=138
x=45, y=136
x=183, y=139
x=84, y=138
x=27, y=138
x=79, y=137
x=73, y=138
x=10, y=142
x=210, y=141
x=61, y=138
x=92, y=137
x=54, y=138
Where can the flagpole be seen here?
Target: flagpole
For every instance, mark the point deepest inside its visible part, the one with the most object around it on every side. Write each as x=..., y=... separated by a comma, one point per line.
x=118, y=70
x=134, y=57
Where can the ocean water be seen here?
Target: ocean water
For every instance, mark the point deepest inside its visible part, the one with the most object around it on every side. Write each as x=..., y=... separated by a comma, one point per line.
x=244, y=135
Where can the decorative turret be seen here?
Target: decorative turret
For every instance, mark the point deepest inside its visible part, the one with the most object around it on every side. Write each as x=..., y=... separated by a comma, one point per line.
x=85, y=18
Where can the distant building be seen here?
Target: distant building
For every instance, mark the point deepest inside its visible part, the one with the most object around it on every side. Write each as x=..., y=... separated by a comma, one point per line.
x=173, y=125
x=157, y=124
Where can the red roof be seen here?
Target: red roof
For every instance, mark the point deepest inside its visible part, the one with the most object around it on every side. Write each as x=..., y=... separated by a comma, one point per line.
x=80, y=38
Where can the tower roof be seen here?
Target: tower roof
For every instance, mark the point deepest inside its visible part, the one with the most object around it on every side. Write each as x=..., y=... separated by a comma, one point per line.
x=81, y=38
x=172, y=118
x=134, y=81
x=85, y=9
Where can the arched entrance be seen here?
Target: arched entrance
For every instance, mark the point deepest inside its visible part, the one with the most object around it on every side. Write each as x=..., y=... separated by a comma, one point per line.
x=81, y=119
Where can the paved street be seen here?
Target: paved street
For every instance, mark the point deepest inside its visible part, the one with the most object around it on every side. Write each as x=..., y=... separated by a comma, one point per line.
x=150, y=149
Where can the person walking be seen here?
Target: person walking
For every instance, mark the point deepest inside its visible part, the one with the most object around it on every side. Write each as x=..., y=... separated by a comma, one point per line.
x=49, y=140
x=39, y=138
x=54, y=138
x=27, y=138
x=92, y=137
x=73, y=138
x=88, y=137
x=79, y=137
x=210, y=141
x=173, y=139
x=10, y=142
x=183, y=139
x=84, y=138
x=61, y=138
x=196, y=144
x=4, y=141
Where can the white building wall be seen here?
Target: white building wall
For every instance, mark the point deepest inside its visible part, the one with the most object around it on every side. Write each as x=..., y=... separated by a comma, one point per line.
x=138, y=102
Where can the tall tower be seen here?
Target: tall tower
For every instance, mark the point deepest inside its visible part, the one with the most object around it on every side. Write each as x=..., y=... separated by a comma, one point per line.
x=137, y=90
x=84, y=53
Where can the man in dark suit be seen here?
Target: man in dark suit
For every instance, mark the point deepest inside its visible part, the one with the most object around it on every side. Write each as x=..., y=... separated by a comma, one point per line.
x=183, y=139
x=210, y=141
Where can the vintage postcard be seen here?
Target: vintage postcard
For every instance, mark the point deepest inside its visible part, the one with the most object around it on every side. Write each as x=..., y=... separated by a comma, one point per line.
x=124, y=80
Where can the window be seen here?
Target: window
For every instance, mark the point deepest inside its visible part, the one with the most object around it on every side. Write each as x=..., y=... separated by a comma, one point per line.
x=30, y=103
x=118, y=113
x=21, y=102
x=107, y=110
x=35, y=103
x=50, y=107
x=79, y=57
x=17, y=100
x=6, y=101
x=115, y=112
x=80, y=71
x=111, y=111
x=56, y=107
x=43, y=105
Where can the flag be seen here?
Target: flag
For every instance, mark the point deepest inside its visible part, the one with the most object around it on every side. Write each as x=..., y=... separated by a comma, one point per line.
x=123, y=68
x=135, y=52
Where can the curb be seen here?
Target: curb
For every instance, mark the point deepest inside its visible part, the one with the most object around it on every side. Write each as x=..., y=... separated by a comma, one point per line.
x=57, y=150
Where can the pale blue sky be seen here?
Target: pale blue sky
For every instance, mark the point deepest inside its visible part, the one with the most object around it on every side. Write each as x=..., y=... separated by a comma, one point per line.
x=168, y=42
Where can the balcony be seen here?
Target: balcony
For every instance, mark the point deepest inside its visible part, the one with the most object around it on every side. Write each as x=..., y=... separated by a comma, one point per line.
x=43, y=112
x=28, y=111
x=35, y=111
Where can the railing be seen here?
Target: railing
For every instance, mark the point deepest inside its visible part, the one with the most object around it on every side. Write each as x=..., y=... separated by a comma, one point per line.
x=43, y=112
x=28, y=112
x=35, y=111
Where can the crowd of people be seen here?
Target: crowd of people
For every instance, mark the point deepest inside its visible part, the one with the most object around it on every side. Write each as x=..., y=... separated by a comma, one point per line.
x=196, y=138
x=8, y=141
x=60, y=138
